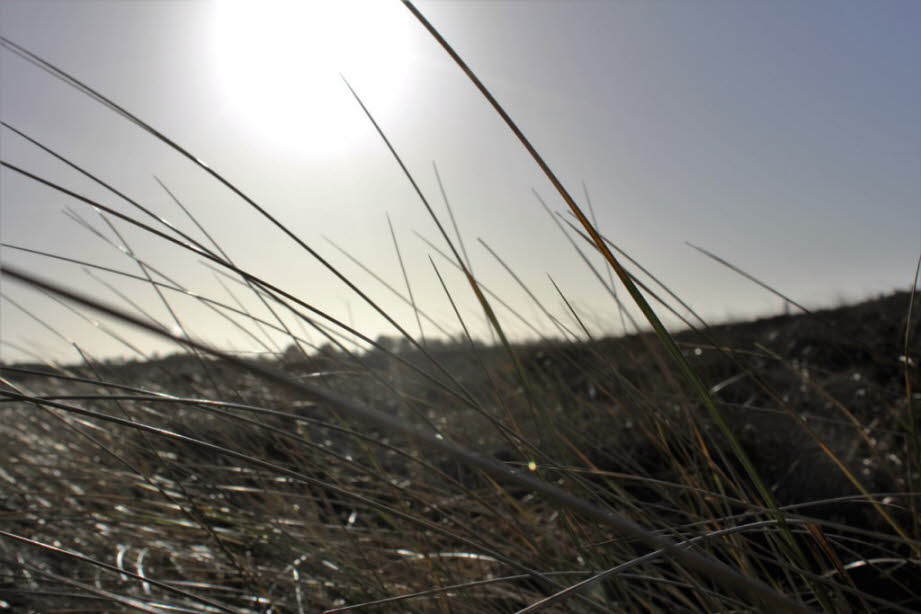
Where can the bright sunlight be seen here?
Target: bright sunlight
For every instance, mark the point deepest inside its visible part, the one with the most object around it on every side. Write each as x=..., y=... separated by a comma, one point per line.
x=279, y=64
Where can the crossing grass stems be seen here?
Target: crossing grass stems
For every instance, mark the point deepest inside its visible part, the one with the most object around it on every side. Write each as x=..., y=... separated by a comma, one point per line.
x=429, y=475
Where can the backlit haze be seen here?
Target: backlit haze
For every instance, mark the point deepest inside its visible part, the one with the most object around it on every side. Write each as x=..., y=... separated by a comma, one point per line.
x=782, y=136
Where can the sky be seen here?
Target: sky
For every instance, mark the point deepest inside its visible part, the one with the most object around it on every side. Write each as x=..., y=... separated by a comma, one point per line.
x=782, y=136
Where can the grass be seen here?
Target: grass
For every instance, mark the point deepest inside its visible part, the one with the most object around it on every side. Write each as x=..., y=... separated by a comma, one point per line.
x=733, y=468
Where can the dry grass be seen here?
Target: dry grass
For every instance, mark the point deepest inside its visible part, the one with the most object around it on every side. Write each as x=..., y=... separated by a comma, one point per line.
x=724, y=469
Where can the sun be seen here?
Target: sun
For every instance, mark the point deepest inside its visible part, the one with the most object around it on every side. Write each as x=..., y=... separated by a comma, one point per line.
x=279, y=63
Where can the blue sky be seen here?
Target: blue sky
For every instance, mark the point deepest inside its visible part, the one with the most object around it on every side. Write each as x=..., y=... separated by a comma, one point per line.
x=783, y=136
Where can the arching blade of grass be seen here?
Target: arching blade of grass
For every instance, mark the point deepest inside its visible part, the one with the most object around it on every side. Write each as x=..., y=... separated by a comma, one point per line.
x=661, y=332
x=638, y=298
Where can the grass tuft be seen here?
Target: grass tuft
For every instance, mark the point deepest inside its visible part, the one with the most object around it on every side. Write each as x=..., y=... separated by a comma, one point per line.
x=758, y=466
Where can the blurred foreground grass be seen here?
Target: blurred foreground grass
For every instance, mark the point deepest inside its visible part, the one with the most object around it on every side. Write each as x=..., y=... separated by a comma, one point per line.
x=770, y=465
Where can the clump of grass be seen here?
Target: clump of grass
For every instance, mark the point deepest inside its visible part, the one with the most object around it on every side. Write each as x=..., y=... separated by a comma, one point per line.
x=706, y=471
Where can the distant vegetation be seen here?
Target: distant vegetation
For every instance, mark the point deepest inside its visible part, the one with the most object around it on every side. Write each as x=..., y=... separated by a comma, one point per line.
x=767, y=466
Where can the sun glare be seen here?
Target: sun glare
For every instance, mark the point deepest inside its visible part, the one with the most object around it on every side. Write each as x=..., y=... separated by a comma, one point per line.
x=279, y=63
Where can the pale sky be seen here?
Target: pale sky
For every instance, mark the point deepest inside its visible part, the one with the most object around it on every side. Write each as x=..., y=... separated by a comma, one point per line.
x=783, y=136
